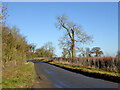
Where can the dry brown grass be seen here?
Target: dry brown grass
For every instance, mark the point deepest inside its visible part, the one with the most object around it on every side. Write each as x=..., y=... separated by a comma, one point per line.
x=102, y=63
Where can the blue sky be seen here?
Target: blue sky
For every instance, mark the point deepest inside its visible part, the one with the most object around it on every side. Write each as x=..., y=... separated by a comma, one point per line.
x=36, y=21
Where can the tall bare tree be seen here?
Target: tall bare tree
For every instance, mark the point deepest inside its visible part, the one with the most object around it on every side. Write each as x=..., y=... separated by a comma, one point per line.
x=74, y=32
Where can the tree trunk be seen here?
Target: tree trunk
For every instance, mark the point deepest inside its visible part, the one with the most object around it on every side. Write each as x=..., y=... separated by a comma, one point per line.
x=73, y=50
x=73, y=45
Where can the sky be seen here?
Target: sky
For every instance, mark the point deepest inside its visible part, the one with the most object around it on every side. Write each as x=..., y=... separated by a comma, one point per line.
x=60, y=0
x=36, y=21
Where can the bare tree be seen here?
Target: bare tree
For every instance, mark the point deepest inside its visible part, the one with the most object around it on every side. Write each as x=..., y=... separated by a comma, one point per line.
x=66, y=45
x=46, y=51
x=4, y=14
x=74, y=33
x=65, y=52
x=88, y=54
x=49, y=46
x=118, y=54
x=97, y=51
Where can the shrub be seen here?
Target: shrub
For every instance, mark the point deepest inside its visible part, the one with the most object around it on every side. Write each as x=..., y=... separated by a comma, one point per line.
x=101, y=63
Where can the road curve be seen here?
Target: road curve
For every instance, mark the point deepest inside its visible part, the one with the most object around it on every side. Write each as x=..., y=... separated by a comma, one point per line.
x=49, y=76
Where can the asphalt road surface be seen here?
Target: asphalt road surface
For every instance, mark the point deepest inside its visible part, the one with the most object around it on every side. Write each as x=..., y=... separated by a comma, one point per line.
x=49, y=76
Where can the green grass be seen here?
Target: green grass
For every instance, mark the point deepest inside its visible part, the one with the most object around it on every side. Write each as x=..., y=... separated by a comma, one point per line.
x=85, y=69
x=89, y=69
x=20, y=77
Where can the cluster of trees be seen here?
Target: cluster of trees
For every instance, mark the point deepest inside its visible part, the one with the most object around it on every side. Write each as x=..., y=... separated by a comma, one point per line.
x=13, y=43
x=45, y=51
x=15, y=49
x=13, y=46
x=94, y=52
x=30, y=50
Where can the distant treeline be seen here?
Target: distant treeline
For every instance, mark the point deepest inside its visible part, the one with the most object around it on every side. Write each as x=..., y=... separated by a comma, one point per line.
x=47, y=50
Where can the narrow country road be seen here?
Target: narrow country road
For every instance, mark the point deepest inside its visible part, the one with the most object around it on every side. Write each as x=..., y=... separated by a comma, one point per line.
x=49, y=76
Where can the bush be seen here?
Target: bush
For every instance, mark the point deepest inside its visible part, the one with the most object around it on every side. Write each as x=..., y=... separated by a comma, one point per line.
x=101, y=63
x=13, y=47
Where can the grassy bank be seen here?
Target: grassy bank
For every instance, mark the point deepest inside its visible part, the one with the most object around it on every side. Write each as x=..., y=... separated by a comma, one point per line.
x=20, y=77
x=92, y=72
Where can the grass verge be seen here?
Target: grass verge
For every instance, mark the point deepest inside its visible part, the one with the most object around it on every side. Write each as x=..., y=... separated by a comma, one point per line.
x=92, y=72
x=20, y=77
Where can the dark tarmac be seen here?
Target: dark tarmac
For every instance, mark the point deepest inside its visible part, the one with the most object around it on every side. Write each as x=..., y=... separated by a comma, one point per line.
x=49, y=76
